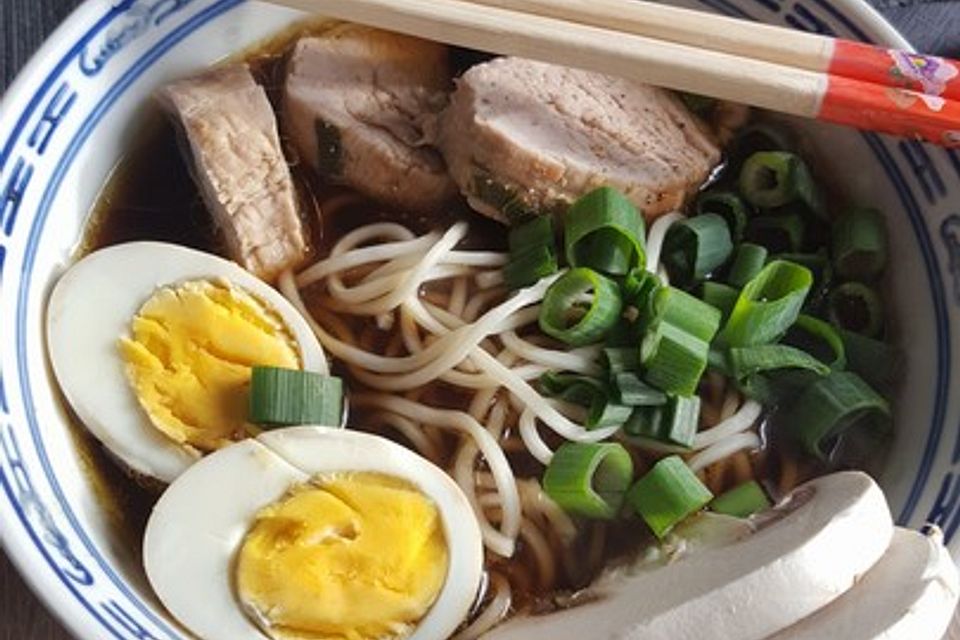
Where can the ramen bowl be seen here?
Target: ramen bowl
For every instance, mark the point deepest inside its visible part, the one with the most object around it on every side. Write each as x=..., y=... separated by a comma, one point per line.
x=78, y=107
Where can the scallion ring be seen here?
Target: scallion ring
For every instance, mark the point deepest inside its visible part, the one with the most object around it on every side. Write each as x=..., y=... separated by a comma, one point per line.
x=580, y=307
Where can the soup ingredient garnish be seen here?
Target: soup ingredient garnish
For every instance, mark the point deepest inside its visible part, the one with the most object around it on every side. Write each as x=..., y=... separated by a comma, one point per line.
x=533, y=253
x=355, y=101
x=604, y=231
x=819, y=338
x=780, y=232
x=356, y=555
x=315, y=532
x=668, y=494
x=817, y=542
x=742, y=501
x=580, y=307
x=859, y=245
x=240, y=168
x=910, y=593
x=673, y=423
x=696, y=247
x=727, y=205
x=768, y=305
x=856, y=307
x=832, y=405
x=603, y=408
x=747, y=264
x=189, y=358
x=286, y=397
x=589, y=479
x=771, y=179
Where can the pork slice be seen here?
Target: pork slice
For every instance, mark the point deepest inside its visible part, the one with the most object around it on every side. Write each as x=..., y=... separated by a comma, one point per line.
x=522, y=137
x=239, y=165
x=355, y=104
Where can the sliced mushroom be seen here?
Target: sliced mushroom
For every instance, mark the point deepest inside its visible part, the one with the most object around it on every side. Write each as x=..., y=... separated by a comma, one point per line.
x=804, y=554
x=909, y=594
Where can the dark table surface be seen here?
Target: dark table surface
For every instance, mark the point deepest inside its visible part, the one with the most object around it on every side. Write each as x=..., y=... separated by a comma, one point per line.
x=931, y=25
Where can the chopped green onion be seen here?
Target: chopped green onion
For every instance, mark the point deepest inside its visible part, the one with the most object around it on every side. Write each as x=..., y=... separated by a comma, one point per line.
x=634, y=393
x=621, y=359
x=745, y=362
x=768, y=305
x=675, y=422
x=771, y=179
x=667, y=495
x=286, y=397
x=537, y=232
x=830, y=406
x=742, y=501
x=876, y=362
x=673, y=306
x=530, y=267
x=674, y=351
x=819, y=265
x=589, y=479
x=728, y=206
x=674, y=359
x=770, y=389
x=721, y=296
x=747, y=263
x=587, y=392
x=819, y=338
x=604, y=231
x=639, y=286
x=580, y=307
x=780, y=233
x=860, y=244
x=696, y=246
x=761, y=136
x=856, y=307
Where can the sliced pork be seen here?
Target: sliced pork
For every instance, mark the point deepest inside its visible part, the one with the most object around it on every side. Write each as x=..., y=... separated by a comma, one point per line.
x=355, y=102
x=523, y=137
x=240, y=168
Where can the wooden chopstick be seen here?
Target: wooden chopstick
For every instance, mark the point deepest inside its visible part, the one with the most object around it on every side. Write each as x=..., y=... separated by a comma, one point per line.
x=736, y=78
x=890, y=67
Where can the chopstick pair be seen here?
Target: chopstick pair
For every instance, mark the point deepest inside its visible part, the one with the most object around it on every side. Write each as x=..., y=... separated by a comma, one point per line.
x=769, y=67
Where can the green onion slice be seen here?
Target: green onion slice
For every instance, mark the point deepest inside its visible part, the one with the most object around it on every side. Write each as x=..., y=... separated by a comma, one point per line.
x=856, y=307
x=771, y=179
x=604, y=231
x=742, y=501
x=580, y=307
x=633, y=392
x=819, y=265
x=639, y=287
x=696, y=246
x=728, y=206
x=780, y=233
x=876, y=362
x=674, y=359
x=768, y=305
x=621, y=359
x=673, y=423
x=530, y=267
x=745, y=362
x=589, y=479
x=860, y=244
x=535, y=233
x=667, y=495
x=597, y=397
x=720, y=296
x=673, y=306
x=820, y=339
x=287, y=397
x=832, y=405
x=747, y=263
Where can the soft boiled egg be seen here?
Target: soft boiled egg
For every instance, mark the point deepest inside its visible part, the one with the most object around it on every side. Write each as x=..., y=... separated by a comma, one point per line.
x=153, y=345
x=315, y=532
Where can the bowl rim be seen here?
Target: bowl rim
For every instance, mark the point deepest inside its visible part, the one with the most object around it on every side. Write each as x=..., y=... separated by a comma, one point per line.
x=858, y=14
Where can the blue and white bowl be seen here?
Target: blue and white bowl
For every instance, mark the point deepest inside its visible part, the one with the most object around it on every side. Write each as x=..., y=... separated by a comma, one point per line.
x=80, y=104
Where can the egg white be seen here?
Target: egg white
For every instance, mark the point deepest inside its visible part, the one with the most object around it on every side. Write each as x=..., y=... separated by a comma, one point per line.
x=199, y=524
x=93, y=305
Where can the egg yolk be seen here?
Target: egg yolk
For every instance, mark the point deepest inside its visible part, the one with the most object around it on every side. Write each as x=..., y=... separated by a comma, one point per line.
x=189, y=359
x=350, y=557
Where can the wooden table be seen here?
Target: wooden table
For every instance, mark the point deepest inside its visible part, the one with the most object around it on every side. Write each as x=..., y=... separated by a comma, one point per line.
x=932, y=25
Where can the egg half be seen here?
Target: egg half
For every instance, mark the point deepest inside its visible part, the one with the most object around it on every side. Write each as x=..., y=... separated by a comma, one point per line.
x=315, y=532
x=153, y=343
